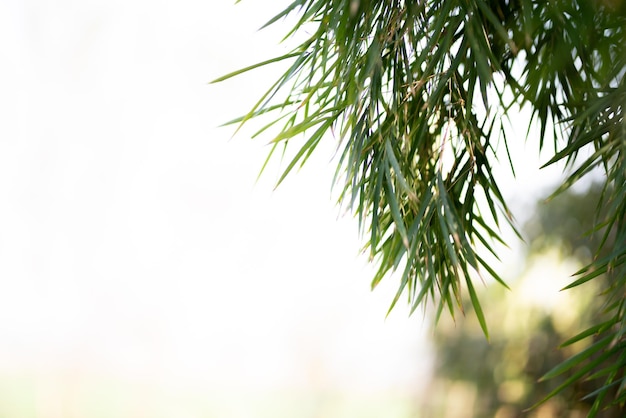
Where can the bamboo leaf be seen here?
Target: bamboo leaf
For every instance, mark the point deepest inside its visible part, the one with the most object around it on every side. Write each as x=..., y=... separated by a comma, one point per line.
x=255, y=66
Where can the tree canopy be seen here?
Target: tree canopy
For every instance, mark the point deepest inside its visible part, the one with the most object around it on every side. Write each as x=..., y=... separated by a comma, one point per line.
x=416, y=95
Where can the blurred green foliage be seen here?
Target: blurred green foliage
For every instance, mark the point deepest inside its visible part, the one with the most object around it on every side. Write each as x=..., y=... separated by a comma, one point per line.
x=503, y=378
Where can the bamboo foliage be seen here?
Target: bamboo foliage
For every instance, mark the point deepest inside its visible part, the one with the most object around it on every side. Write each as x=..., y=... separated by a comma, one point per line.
x=414, y=93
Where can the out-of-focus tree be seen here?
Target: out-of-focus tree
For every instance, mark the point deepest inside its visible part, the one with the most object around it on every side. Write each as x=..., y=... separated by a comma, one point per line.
x=416, y=93
x=503, y=378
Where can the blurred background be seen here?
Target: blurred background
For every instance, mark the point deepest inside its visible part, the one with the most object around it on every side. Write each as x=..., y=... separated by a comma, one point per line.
x=144, y=272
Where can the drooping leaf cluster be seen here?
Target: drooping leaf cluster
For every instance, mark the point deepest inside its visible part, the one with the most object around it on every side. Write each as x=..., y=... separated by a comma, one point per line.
x=415, y=93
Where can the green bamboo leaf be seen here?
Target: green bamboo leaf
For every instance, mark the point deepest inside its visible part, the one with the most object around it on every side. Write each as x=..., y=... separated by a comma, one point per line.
x=307, y=148
x=492, y=272
x=283, y=14
x=255, y=66
x=584, y=279
x=477, y=307
x=602, y=389
x=576, y=376
x=378, y=188
x=391, y=158
x=395, y=209
x=577, y=359
x=596, y=329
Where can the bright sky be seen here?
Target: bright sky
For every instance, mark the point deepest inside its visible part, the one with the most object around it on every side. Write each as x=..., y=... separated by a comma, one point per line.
x=140, y=265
